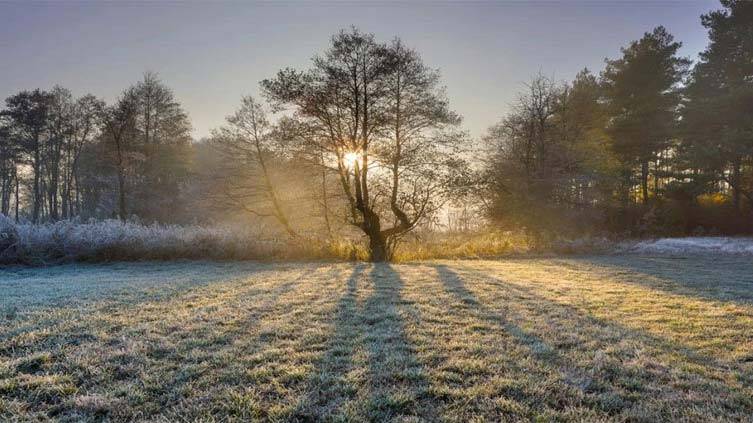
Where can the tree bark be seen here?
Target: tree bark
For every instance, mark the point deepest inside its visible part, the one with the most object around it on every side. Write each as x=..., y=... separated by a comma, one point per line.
x=121, y=196
x=656, y=178
x=736, y=184
x=121, y=184
x=325, y=203
x=378, y=251
x=644, y=181
x=17, y=183
x=37, y=169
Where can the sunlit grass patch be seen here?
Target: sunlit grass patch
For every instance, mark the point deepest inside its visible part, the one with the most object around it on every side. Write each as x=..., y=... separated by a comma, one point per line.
x=569, y=339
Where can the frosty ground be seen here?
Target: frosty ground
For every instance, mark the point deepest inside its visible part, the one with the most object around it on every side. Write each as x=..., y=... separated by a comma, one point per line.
x=613, y=338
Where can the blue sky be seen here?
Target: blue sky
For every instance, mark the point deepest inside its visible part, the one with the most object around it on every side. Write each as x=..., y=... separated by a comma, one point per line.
x=213, y=52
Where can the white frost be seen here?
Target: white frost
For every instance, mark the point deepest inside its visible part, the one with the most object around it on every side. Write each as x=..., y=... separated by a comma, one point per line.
x=115, y=240
x=695, y=245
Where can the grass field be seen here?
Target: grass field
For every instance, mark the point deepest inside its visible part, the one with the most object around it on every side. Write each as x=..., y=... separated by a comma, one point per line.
x=612, y=338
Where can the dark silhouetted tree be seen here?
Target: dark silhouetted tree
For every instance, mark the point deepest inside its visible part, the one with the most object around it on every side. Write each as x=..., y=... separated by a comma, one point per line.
x=718, y=112
x=377, y=113
x=28, y=114
x=642, y=89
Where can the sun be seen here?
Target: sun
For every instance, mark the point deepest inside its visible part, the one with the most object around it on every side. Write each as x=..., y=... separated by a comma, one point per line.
x=350, y=159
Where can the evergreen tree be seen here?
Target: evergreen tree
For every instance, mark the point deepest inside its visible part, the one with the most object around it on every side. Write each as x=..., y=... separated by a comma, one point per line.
x=718, y=112
x=642, y=90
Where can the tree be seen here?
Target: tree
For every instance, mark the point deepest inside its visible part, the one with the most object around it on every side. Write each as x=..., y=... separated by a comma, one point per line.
x=642, y=89
x=376, y=112
x=86, y=115
x=119, y=129
x=60, y=131
x=248, y=144
x=524, y=139
x=163, y=135
x=718, y=129
x=9, y=161
x=550, y=161
x=582, y=122
x=28, y=114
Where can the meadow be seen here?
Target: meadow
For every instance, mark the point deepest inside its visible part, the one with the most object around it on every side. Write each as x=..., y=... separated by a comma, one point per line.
x=619, y=337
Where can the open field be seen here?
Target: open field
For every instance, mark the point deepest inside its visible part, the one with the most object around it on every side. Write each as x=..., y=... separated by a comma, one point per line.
x=609, y=338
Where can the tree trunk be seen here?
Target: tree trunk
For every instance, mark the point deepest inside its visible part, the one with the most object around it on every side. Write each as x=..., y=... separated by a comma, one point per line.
x=644, y=181
x=278, y=211
x=37, y=194
x=17, y=183
x=378, y=251
x=377, y=248
x=53, y=199
x=65, y=200
x=736, y=184
x=78, y=193
x=656, y=178
x=121, y=196
x=325, y=204
x=7, y=188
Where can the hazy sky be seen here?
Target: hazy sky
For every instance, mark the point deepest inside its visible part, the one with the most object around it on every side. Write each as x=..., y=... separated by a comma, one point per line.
x=211, y=53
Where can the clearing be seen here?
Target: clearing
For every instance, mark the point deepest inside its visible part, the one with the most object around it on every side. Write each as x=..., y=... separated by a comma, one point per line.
x=608, y=338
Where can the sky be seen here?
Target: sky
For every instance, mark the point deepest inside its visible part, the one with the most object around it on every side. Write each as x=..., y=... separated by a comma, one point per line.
x=211, y=53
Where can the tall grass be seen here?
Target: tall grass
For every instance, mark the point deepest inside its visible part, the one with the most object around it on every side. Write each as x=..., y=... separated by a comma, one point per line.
x=490, y=243
x=111, y=240
x=482, y=244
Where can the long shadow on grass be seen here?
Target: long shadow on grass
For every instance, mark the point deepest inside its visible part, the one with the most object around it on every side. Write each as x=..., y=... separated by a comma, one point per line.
x=539, y=350
x=196, y=347
x=718, y=278
x=394, y=386
x=213, y=343
x=330, y=388
x=608, y=383
x=399, y=388
x=168, y=359
x=73, y=285
x=215, y=333
x=128, y=286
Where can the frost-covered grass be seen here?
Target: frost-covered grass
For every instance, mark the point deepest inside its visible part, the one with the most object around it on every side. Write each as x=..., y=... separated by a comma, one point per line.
x=695, y=245
x=612, y=338
x=112, y=240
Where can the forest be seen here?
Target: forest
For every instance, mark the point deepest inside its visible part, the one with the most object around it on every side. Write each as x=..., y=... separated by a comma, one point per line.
x=364, y=145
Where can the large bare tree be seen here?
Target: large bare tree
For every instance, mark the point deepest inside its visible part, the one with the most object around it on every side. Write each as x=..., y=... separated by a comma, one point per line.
x=119, y=129
x=249, y=144
x=380, y=118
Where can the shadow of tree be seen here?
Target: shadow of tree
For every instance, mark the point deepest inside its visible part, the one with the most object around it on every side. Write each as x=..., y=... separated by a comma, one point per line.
x=203, y=348
x=370, y=371
x=170, y=346
x=131, y=286
x=330, y=388
x=613, y=369
x=539, y=358
x=454, y=285
x=399, y=388
x=715, y=277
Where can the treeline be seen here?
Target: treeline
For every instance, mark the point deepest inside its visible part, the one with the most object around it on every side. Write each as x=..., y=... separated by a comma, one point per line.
x=63, y=157
x=651, y=145
x=367, y=141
